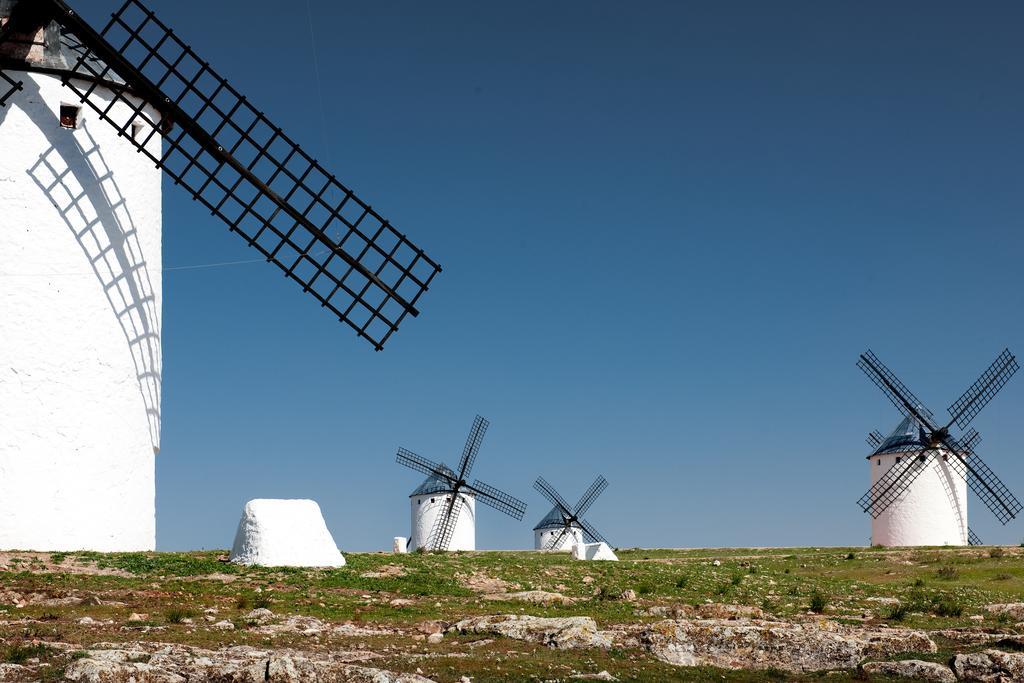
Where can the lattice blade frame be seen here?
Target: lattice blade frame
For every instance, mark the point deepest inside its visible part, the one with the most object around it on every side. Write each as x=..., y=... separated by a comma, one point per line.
x=499, y=500
x=248, y=173
x=472, y=447
x=984, y=483
x=590, y=532
x=875, y=439
x=895, y=390
x=444, y=525
x=421, y=464
x=590, y=495
x=548, y=491
x=972, y=538
x=8, y=88
x=555, y=540
x=893, y=483
x=984, y=389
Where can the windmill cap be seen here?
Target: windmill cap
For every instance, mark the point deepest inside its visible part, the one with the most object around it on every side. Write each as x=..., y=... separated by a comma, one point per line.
x=905, y=438
x=552, y=520
x=435, y=484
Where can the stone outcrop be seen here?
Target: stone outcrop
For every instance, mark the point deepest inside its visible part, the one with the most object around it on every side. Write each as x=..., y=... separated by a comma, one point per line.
x=1014, y=609
x=534, y=597
x=990, y=666
x=562, y=633
x=178, y=664
x=760, y=644
x=915, y=669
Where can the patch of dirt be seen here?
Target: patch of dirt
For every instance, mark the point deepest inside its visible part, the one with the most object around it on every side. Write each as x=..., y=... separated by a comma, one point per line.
x=42, y=562
x=481, y=583
x=388, y=571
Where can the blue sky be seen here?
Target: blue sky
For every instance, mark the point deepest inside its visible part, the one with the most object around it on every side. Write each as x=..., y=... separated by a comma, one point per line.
x=667, y=230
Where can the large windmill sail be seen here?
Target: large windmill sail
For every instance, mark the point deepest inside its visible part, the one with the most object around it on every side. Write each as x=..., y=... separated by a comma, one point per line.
x=229, y=156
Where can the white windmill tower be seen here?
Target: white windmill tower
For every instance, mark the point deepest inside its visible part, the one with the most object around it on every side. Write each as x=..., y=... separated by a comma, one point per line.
x=564, y=526
x=87, y=123
x=920, y=474
x=443, y=507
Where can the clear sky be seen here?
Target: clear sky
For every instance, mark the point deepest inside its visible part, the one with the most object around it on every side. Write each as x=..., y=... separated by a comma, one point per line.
x=667, y=230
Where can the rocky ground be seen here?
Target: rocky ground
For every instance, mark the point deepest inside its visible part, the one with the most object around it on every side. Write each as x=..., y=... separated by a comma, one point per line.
x=742, y=615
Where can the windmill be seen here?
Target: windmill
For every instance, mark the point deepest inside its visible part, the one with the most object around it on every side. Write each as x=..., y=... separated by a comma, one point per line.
x=920, y=473
x=444, y=505
x=564, y=526
x=97, y=118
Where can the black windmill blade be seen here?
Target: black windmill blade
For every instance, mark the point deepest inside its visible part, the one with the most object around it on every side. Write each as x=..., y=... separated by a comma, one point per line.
x=977, y=396
x=895, y=390
x=893, y=483
x=590, y=532
x=498, y=499
x=553, y=497
x=983, y=482
x=421, y=464
x=589, y=496
x=472, y=447
x=875, y=439
x=972, y=538
x=232, y=159
x=444, y=524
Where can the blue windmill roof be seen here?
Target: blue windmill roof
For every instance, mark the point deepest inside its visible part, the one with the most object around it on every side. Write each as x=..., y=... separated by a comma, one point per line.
x=906, y=437
x=552, y=520
x=434, y=484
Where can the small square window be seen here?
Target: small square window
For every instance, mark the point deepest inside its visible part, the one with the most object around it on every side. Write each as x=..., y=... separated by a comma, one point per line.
x=898, y=460
x=879, y=462
x=69, y=114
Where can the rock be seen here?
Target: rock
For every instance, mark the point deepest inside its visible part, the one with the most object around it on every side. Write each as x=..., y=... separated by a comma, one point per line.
x=991, y=665
x=588, y=579
x=976, y=617
x=259, y=616
x=602, y=676
x=87, y=621
x=13, y=672
x=1014, y=609
x=911, y=668
x=169, y=663
x=284, y=533
x=593, y=551
x=716, y=563
x=562, y=633
x=535, y=597
x=431, y=627
x=435, y=638
x=401, y=602
x=629, y=595
x=109, y=671
x=224, y=625
x=719, y=611
x=761, y=644
x=135, y=617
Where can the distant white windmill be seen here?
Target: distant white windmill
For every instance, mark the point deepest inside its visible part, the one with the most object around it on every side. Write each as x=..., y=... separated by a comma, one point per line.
x=564, y=526
x=920, y=474
x=443, y=507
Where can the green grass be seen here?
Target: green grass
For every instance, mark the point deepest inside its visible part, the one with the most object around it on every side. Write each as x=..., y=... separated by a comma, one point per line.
x=936, y=588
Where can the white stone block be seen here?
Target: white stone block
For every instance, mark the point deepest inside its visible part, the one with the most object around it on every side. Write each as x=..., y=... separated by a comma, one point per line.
x=401, y=545
x=593, y=551
x=284, y=533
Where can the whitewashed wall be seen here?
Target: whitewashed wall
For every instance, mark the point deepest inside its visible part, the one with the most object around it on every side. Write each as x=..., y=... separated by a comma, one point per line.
x=933, y=511
x=542, y=537
x=80, y=310
x=425, y=510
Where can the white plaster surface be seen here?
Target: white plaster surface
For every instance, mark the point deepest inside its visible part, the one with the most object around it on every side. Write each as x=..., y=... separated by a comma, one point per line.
x=80, y=322
x=932, y=511
x=425, y=510
x=542, y=537
x=284, y=533
x=593, y=551
x=400, y=545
